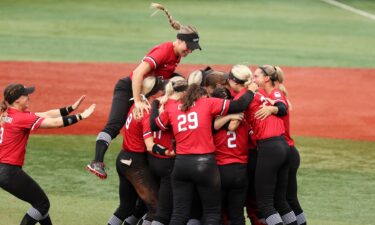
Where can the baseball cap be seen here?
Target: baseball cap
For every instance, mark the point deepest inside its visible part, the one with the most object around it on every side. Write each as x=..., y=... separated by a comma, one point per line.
x=13, y=91
x=192, y=40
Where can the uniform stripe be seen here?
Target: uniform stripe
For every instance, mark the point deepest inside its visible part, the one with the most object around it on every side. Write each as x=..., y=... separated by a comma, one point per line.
x=151, y=59
x=35, y=123
x=147, y=133
x=158, y=121
x=274, y=219
x=35, y=214
x=301, y=219
x=223, y=108
x=289, y=218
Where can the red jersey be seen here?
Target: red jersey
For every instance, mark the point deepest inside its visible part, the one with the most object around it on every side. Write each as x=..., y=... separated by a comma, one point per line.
x=193, y=128
x=14, y=133
x=163, y=138
x=278, y=96
x=272, y=126
x=135, y=132
x=162, y=60
x=232, y=146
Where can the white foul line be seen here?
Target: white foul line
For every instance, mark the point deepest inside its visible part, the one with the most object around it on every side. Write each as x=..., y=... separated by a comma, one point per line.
x=351, y=9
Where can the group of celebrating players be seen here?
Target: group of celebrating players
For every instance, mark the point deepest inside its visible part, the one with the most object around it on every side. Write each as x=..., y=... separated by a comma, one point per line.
x=196, y=149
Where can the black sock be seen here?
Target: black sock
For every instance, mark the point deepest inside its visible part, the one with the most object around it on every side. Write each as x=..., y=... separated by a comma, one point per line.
x=46, y=221
x=101, y=148
x=28, y=220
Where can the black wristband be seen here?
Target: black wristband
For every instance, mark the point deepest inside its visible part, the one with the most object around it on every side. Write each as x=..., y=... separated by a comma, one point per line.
x=158, y=149
x=69, y=120
x=80, y=117
x=70, y=109
x=64, y=111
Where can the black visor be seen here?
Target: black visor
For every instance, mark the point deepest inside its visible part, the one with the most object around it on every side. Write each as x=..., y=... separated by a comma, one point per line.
x=192, y=40
x=235, y=79
x=14, y=91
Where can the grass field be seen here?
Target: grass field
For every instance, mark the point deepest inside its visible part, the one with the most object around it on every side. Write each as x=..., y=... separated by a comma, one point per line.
x=336, y=181
x=285, y=32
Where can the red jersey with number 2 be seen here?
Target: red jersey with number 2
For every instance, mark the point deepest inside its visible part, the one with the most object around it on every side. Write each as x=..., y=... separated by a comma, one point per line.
x=193, y=128
x=14, y=133
x=232, y=146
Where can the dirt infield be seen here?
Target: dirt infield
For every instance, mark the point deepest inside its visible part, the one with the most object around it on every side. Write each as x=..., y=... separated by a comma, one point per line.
x=327, y=102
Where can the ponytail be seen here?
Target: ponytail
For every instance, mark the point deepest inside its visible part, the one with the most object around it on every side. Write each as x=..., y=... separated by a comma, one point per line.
x=174, y=24
x=3, y=109
x=193, y=93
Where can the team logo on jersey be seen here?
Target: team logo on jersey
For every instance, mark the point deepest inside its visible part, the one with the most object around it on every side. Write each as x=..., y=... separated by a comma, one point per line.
x=277, y=94
x=7, y=119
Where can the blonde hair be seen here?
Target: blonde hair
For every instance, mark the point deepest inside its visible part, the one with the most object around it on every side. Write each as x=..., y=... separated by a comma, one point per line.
x=3, y=109
x=182, y=29
x=148, y=84
x=195, y=77
x=169, y=87
x=280, y=76
x=242, y=72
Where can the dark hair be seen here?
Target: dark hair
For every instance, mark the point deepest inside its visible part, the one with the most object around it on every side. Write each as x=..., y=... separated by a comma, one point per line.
x=221, y=92
x=215, y=78
x=270, y=71
x=192, y=94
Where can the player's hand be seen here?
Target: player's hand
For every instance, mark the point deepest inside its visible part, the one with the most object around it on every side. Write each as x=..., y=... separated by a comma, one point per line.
x=78, y=102
x=264, y=112
x=170, y=153
x=139, y=107
x=88, y=111
x=253, y=87
x=272, y=102
x=236, y=116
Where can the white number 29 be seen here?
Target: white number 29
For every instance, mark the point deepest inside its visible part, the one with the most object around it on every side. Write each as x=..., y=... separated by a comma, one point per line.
x=187, y=122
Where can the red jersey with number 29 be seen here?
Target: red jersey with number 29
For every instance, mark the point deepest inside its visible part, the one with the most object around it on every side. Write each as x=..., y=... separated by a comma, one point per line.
x=14, y=134
x=232, y=146
x=135, y=132
x=162, y=60
x=193, y=128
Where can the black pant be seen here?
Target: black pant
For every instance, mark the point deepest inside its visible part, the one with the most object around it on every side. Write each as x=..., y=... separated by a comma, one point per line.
x=135, y=180
x=201, y=171
x=271, y=176
x=15, y=181
x=162, y=168
x=291, y=193
x=120, y=107
x=234, y=189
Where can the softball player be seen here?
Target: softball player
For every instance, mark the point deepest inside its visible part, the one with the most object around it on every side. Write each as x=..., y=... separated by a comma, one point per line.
x=280, y=93
x=195, y=164
x=231, y=153
x=271, y=174
x=208, y=78
x=161, y=60
x=15, y=126
x=131, y=164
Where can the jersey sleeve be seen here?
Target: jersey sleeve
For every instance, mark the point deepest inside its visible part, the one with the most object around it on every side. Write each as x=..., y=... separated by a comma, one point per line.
x=146, y=128
x=30, y=121
x=278, y=96
x=155, y=57
x=163, y=121
x=219, y=107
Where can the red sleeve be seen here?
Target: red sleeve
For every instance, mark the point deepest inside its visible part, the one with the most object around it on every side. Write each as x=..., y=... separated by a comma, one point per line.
x=156, y=56
x=146, y=126
x=278, y=96
x=29, y=120
x=163, y=121
x=219, y=106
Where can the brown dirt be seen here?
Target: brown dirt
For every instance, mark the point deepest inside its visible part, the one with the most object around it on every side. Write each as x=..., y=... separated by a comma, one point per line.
x=327, y=102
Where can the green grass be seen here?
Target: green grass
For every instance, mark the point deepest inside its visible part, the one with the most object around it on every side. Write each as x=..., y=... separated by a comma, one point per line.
x=285, y=32
x=336, y=181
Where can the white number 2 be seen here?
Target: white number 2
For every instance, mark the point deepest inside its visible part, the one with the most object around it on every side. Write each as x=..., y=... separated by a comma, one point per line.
x=1, y=134
x=191, y=119
x=231, y=139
